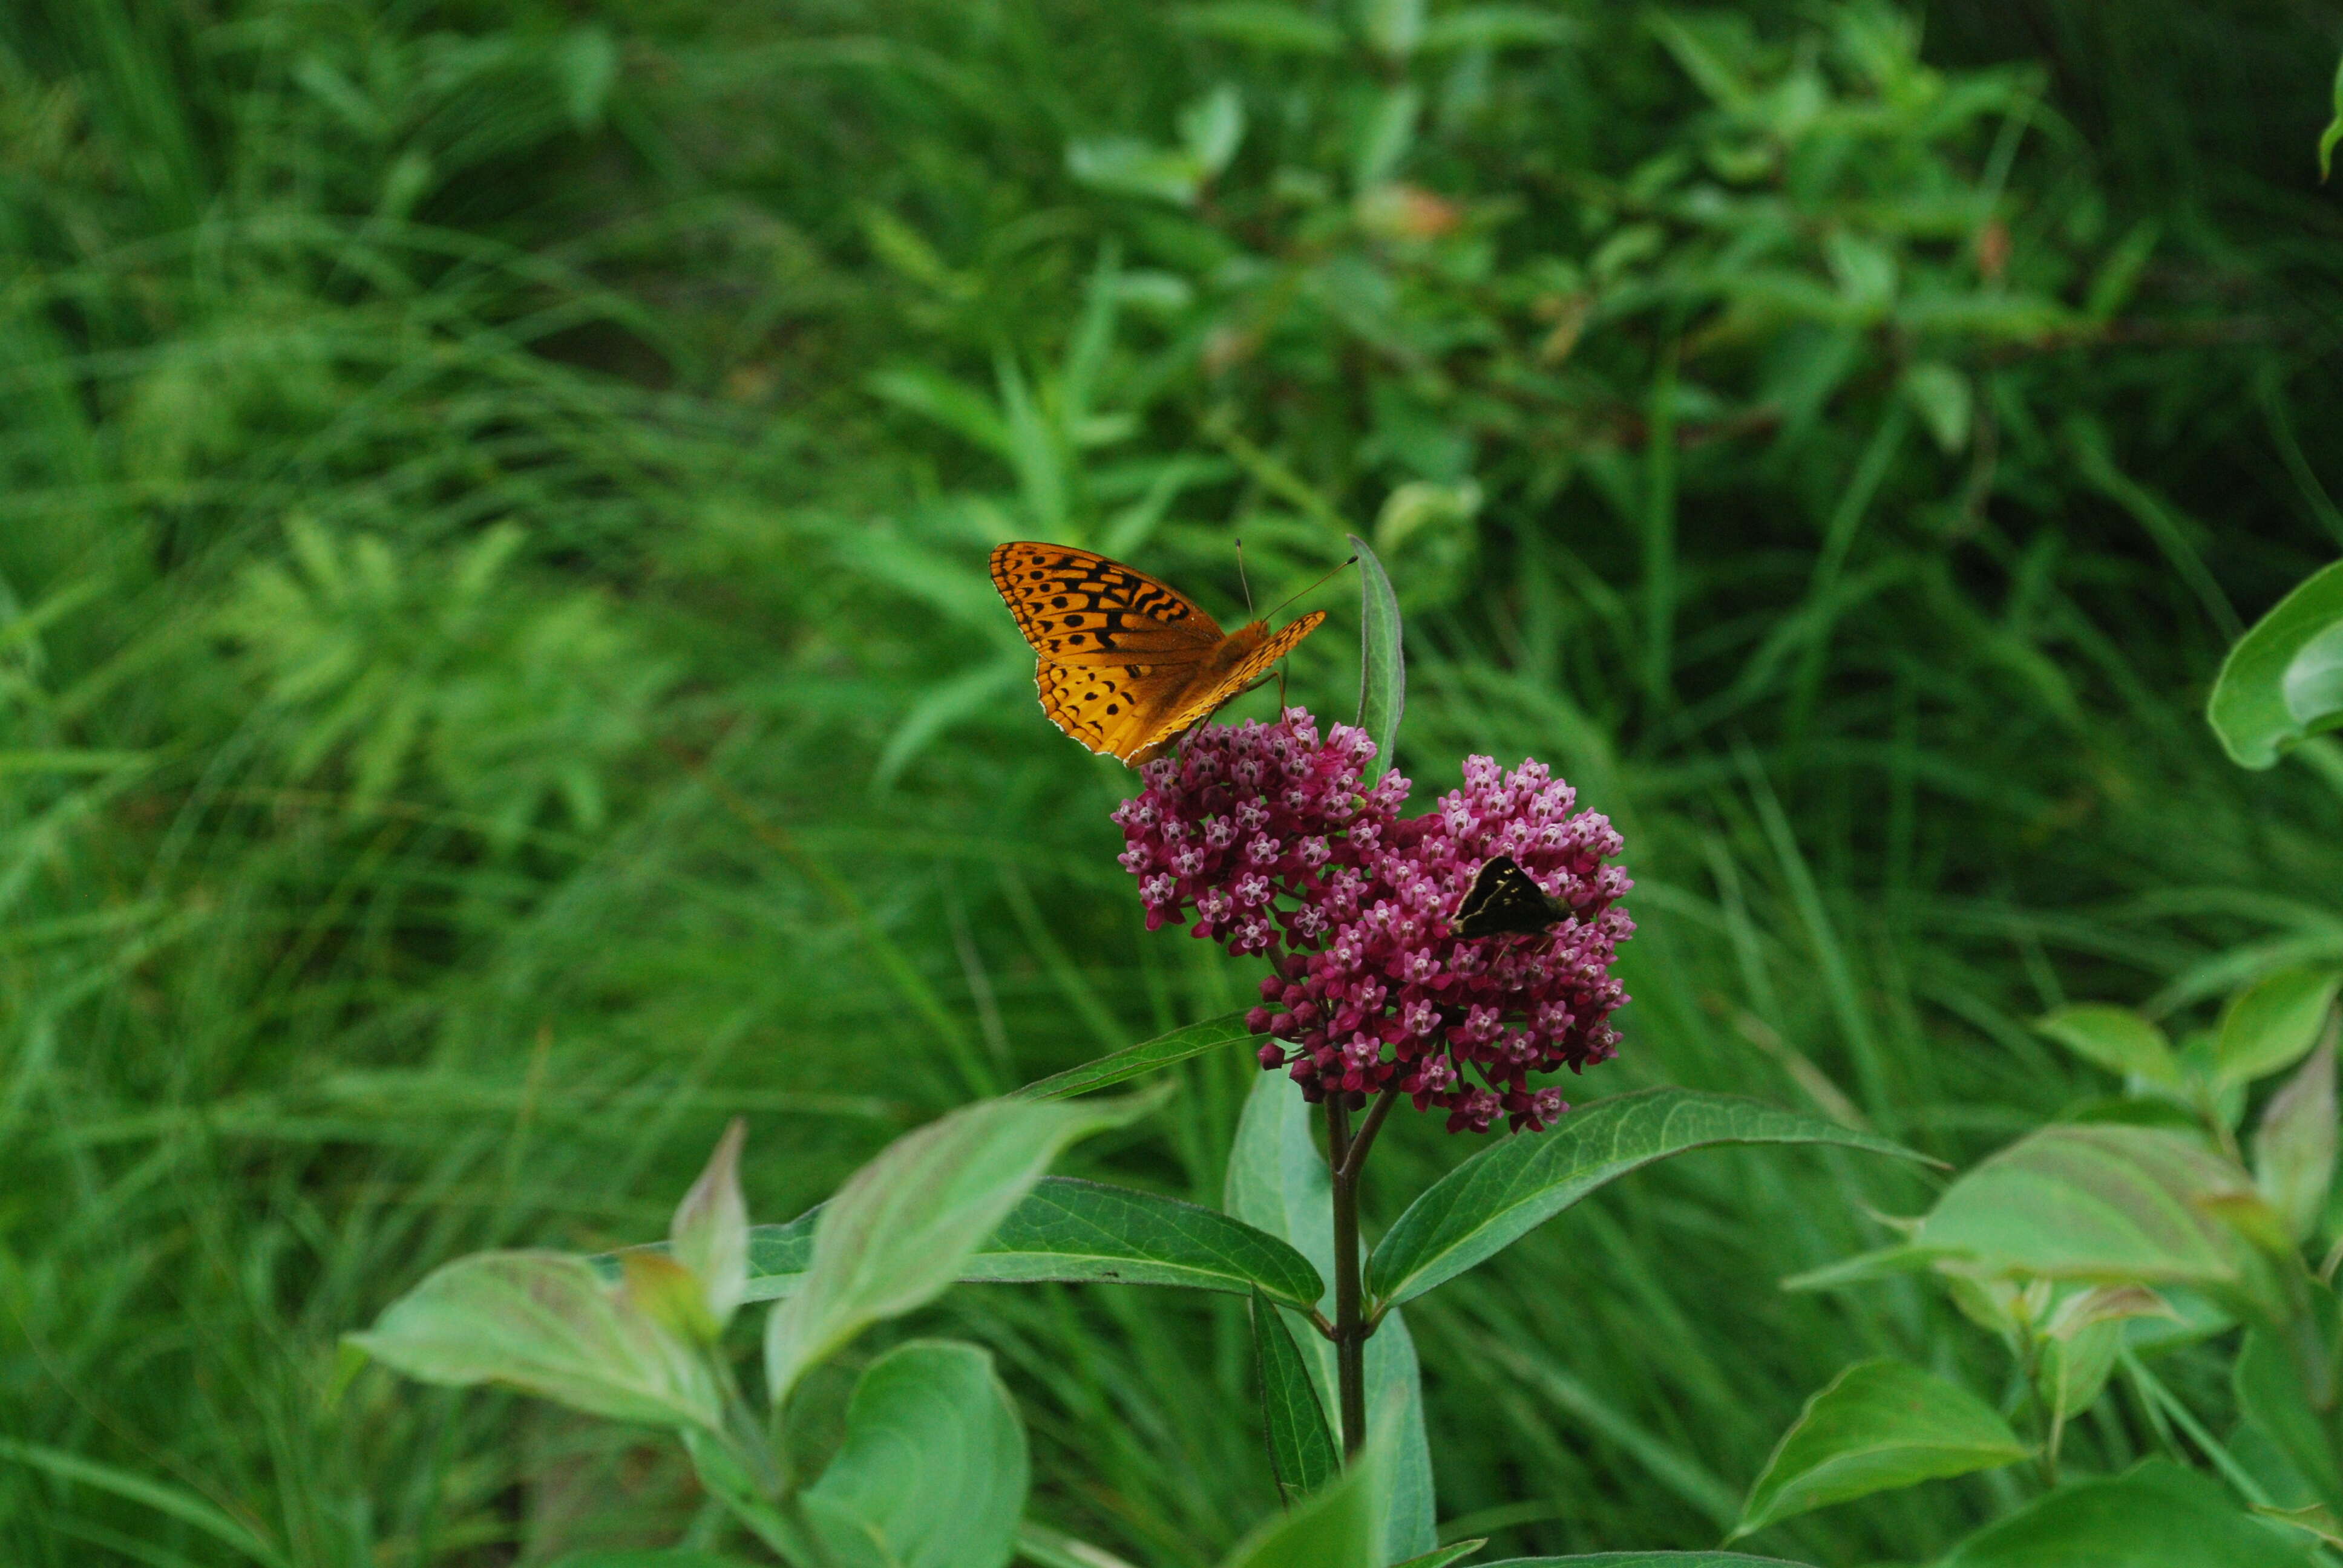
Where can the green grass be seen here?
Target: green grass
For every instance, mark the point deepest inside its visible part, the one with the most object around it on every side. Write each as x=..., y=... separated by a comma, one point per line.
x=377, y=886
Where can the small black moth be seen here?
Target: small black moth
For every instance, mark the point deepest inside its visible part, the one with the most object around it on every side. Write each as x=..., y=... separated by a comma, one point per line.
x=1502, y=900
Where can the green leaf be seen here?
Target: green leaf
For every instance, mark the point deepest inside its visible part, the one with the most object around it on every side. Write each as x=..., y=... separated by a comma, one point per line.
x=1496, y=27
x=1301, y=1448
x=2294, y=1151
x=1277, y=1181
x=545, y=1323
x=933, y=1470
x=1393, y=27
x=1338, y=1528
x=1264, y=25
x=2284, y=679
x=1651, y=1559
x=1125, y=165
x=2334, y=131
x=1133, y=1061
x=171, y=1502
x=2155, y=1515
x=1383, y=658
x=2115, y=1038
x=2095, y=1201
x=1878, y=1426
x=2316, y=1518
x=1520, y=1182
x=1940, y=395
x=650, y=1557
x=1212, y=128
x=710, y=1233
x=2273, y=1401
x=2269, y=1025
x=1445, y=1555
x=1085, y=1231
x=1866, y=1268
x=901, y=1228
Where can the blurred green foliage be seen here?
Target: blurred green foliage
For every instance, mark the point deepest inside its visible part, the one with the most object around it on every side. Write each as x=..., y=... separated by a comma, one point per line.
x=495, y=673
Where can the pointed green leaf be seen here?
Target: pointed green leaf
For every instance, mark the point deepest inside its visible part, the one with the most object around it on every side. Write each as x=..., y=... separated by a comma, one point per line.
x=901, y=1228
x=1445, y=1555
x=2115, y=1038
x=171, y=1501
x=1338, y=1528
x=1864, y=1268
x=1084, y=1231
x=1277, y=1181
x=2095, y=1201
x=1518, y=1183
x=1382, y=656
x=1300, y=1448
x=2155, y=1515
x=1145, y=1057
x=933, y=1470
x=2273, y=1403
x=1265, y=24
x=710, y=1233
x=650, y=1557
x=1878, y=1426
x=2284, y=679
x=545, y=1323
x=2334, y=131
x=2273, y=1022
x=2294, y=1151
x=1650, y=1559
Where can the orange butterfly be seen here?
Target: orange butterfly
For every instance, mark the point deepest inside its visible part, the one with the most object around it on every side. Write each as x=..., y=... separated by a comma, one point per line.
x=1127, y=663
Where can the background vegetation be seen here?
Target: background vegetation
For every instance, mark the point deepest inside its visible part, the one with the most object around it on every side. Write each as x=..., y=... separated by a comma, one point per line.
x=495, y=672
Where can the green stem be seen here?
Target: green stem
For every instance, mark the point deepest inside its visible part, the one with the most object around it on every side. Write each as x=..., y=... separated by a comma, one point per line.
x=1346, y=1157
x=1350, y=1326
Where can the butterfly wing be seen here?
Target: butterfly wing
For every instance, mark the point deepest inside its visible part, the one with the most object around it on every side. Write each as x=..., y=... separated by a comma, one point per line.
x=1194, y=706
x=1115, y=648
x=1502, y=900
x=1073, y=604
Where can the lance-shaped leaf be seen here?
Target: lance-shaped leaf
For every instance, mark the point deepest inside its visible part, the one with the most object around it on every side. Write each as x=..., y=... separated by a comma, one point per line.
x=1382, y=656
x=2276, y=1404
x=2284, y=679
x=1650, y=1560
x=1510, y=1187
x=2273, y=1022
x=1134, y=1060
x=2153, y=1515
x=901, y=1228
x=1277, y=1181
x=2095, y=1201
x=2294, y=1152
x=1446, y=1554
x=2115, y=1038
x=1879, y=1425
x=1338, y=1528
x=933, y=1470
x=548, y=1324
x=648, y=1557
x=1084, y=1232
x=1301, y=1445
x=710, y=1233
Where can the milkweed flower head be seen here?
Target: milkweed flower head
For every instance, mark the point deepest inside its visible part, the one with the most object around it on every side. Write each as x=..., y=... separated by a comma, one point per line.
x=1268, y=836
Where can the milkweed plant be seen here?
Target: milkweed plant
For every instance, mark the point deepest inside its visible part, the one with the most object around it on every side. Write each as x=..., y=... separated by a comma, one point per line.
x=2087, y=1249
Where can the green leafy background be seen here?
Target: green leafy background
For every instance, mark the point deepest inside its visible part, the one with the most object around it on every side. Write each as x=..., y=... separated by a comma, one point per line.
x=497, y=677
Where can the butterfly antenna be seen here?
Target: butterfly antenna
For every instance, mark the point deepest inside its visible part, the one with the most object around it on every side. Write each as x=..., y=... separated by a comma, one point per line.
x=1313, y=588
x=1241, y=578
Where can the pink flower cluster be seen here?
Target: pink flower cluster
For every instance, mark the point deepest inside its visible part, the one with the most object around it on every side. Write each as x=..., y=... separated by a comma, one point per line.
x=1265, y=833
